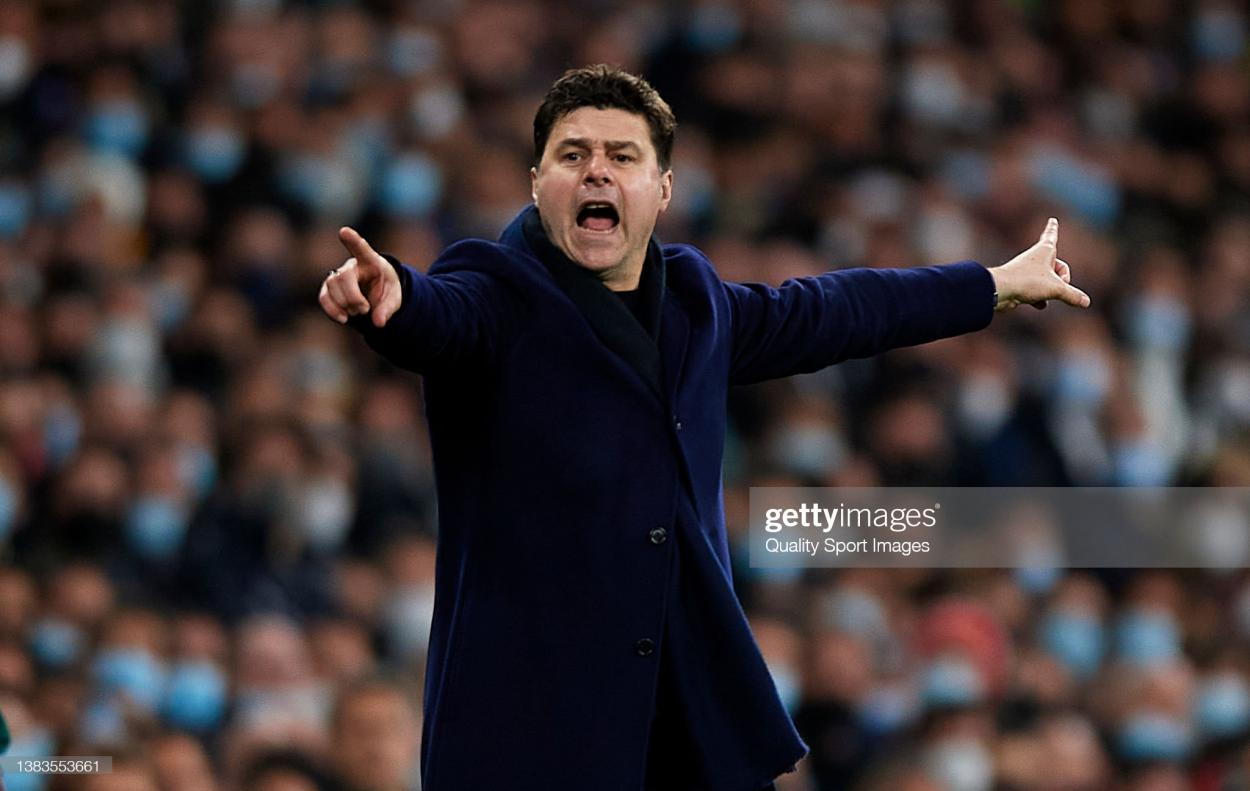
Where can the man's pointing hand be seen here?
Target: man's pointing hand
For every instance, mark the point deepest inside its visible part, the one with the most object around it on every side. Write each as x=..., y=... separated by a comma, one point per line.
x=1037, y=275
x=365, y=283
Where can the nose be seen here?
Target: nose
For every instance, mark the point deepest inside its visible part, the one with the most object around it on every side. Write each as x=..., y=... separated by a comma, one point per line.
x=597, y=171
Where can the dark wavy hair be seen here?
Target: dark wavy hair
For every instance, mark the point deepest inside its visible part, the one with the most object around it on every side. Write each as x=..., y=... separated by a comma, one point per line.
x=606, y=87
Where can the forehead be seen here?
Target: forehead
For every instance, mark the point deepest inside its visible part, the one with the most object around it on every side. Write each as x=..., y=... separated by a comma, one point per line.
x=597, y=126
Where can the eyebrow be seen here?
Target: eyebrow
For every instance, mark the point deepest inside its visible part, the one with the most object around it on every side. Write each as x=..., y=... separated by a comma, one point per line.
x=582, y=142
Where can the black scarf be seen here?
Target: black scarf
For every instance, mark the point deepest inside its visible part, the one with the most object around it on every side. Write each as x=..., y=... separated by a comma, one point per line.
x=634, y=338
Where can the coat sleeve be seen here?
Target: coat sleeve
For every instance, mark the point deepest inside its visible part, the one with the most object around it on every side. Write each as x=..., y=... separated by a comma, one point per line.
x=450, y=317
x=809, y=323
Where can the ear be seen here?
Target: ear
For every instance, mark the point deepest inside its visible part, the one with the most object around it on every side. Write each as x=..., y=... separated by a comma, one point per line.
x=534, y=185
x=666, y=188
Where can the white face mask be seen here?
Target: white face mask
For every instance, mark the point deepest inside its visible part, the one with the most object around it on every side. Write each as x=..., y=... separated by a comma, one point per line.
x=409, y=619
x=14, y=66
x=323, y=514
x=961, y=764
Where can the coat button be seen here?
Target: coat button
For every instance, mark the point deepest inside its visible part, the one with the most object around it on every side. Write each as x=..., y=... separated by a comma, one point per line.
x=645, y=646
x=677, y=424
x=658, y=536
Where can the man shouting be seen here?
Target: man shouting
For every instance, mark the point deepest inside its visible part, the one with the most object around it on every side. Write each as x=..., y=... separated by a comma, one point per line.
x=586, y=635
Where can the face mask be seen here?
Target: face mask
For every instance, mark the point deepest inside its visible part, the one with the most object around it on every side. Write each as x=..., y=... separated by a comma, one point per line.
x=410, y=187
x=1148, y=736
x=409, y=619
x=155, y=527
x=1140, y=463
x=1158, y=323
x=103, y=722
x=15, y=208
x=789, y=686
x=215, y=153
x=1146, y=637
x=1083, y=380
x=1038, y=576
x=888, y=709
x=62, y=430
x=328, y=186
x=195, y=696
x=127, y=348
x=713, y=27
x=968, y=174
x=8, y=509
x=856, y=613
x=1222, y=707
x=951, y=682
x=263, y=708
x=934, y=93
x=369, y=142
x=1087, y=190
x=170, y=305
x=117, y=127
x=812, y=452
x=413, y=52
x=132, y=672
x=1076, y=640
x=197, y=469
x=1218, y=33
x=323, y=514
x=15, y=66
x=55, y=643
x=1222, y=537
x=960, y=764
x=34, y=743
x=984, y=405
x=435, y=111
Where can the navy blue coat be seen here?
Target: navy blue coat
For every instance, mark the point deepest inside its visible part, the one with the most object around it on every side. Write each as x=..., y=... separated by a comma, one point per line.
x=574, y=471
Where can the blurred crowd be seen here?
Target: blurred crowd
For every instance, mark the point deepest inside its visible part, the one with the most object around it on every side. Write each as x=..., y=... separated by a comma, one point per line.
x=216, y=518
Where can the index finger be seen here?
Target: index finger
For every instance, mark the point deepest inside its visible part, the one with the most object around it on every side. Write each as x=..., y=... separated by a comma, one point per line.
x=356, y=244
x=1050, y=236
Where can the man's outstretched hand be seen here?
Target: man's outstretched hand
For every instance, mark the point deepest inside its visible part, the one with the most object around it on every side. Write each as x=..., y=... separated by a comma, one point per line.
x=1037, y=275
x=365, y=283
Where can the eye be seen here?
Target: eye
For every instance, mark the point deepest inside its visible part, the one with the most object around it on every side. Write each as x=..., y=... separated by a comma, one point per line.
x=571, y=156
x=623, y=158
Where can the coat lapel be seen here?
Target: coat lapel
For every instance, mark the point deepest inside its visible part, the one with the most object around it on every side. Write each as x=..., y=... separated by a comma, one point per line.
x=608, y=317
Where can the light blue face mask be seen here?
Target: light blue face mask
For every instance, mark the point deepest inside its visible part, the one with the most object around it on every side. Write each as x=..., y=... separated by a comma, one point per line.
x=132, y=672
x=195, y=696
x=117, y=127
x=1149, y=737
x=1077, y=640
x=16, y=205
x=888, y=709
x=1159, y=323
x=1218, y=34
x=55, y=643
x=410, y=187
x=1146, y=637
x=1222, y=707
x=215, y=153
x=950, y=682
x=155, y=527
x=789, y=686
x=8, y=509
x=34, y=743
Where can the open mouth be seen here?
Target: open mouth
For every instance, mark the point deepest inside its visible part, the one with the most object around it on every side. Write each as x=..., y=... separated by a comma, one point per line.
x=597, y=216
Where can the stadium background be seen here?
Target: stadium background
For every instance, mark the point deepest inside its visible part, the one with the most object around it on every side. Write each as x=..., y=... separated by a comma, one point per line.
x=215, y=505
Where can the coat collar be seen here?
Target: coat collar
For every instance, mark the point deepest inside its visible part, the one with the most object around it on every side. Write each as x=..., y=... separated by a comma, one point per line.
x=607, y=315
